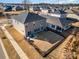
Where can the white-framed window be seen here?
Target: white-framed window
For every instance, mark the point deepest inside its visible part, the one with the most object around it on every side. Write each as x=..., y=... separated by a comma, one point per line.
x=59, y=29
x=67, y=27
x=53, y=26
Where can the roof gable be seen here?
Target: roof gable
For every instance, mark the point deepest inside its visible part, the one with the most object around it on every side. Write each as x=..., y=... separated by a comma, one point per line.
x=21, y=18
x=61, y=22
x=67, y=21
x=34, y=17
x=27, y=17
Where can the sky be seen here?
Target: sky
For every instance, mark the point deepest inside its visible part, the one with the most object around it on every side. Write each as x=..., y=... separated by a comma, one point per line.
x=41, y=1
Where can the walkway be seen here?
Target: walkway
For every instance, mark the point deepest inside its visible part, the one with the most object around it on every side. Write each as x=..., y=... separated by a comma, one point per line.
x=15, y=45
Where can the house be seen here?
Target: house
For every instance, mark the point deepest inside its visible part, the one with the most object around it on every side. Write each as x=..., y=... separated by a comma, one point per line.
x=44, y=9
x=29, y=23
x=8, y=8
x=31, y=8
x=59, y=24
x=36, y=9
x=58, y=13
x=1, y=8
x=17, y=8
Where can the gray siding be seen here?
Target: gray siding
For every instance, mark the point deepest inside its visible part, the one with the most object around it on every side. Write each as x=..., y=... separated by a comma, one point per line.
x=19, y=26
x=30, y=27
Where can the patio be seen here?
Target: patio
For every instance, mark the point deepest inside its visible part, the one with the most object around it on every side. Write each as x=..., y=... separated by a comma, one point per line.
x=47, y=41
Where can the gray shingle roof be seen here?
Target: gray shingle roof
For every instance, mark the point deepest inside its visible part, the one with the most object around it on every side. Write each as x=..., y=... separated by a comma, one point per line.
x=28, y=17
x=59, y=11
x=61, y=22
x=45, y=7
x=21, y=18
x=36, y=8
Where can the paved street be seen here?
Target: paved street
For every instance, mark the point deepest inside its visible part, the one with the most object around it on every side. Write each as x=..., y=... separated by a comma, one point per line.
x=2, y=56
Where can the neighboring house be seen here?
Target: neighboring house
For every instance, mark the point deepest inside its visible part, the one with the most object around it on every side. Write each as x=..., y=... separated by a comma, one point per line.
x=44, y=9
x=8, y=8
x=31, y=8
x=59, y=24
x=51, y=10
x=14, y=8
x=58, y=13
x=36, y=9
x=1, y=8
x=29, y=23
x=17, y=8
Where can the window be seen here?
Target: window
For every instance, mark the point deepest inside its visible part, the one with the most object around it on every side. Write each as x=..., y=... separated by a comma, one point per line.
x=66, y=27
x=29, y=33
x=42, y=28
x=37, y=30
x=53, y=26
x=59, y=29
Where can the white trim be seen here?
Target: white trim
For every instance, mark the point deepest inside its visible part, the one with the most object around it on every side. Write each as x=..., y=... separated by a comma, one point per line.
x=56, y=15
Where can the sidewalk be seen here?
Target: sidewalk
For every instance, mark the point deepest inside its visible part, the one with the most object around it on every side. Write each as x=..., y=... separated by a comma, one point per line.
x=15, y=45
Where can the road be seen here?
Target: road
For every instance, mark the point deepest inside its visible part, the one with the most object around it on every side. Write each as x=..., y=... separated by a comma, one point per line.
x=2, y=56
